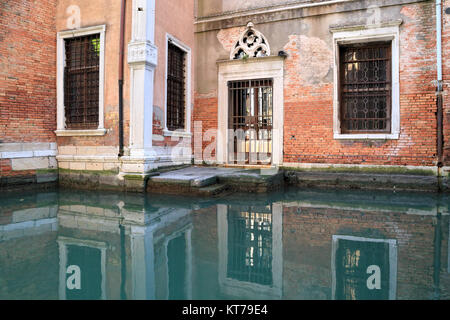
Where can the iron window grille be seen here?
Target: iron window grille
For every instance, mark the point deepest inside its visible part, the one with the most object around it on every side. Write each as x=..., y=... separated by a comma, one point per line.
x=365, y=87
x=176, y=83
x=81, y=82
x=251, y=109
x=250, y=245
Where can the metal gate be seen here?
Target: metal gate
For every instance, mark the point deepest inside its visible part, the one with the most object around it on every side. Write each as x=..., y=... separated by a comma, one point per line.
x=250, y=121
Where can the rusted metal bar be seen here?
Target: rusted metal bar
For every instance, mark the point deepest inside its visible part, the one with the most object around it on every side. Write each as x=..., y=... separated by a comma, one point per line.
x=121, y=63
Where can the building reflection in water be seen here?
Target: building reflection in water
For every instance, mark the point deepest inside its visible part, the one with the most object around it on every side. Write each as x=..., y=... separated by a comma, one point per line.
x=363, y=268
x=82, y=272
x=123, y=250
x=298, y=245
x=250, y=251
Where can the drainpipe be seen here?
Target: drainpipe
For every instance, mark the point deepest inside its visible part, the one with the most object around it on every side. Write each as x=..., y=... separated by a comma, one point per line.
x=439, y=89
x=121, y=58
x=437, y=256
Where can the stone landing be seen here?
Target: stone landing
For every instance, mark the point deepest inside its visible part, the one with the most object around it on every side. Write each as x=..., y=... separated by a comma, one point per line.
x=212, y=181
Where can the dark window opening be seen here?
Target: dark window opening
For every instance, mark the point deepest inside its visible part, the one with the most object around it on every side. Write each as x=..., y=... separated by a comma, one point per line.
x=176, y=254
x=89, y=261
x=176, y=82
x=365, y=87
x=81, y=82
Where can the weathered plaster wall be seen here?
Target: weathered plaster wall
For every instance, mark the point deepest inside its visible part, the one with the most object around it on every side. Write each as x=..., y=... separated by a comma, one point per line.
x=93, y=13
x=175, y=18
x=216, y=7
x=308, y=94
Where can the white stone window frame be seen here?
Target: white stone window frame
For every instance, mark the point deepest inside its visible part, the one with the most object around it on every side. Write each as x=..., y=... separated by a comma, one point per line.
x=63, y=243
x=61, y=64
x=364, y=34
x=271, y=67
x=392, y=261
x=188, y=86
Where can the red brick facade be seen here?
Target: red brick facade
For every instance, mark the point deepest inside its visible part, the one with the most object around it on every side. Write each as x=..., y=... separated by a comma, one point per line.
x=28, y=71
x=27, y=74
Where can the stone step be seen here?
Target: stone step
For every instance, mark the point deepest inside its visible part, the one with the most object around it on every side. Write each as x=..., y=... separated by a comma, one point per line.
x=196, y=181
x=212, y=190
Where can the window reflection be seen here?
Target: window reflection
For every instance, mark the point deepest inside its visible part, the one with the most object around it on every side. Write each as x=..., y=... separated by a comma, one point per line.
x=250, y=246
x=363, y=269
x=250, y=251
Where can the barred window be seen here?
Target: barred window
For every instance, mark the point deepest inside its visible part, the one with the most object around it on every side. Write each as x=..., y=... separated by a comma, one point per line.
x=176, y=82
x=365, y=87
x=81, y=82
x=250, y=244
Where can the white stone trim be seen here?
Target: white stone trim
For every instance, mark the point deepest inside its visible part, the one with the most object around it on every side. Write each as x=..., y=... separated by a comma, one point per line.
x=357, y=34
x=188, y=87
x=28, y=228
x=27, y=154
x=256, y=68
x=142, y=262
x=61, y=62
x=142, y=61
x=80, y=133
x=392, y=262
x=81, y=158
x=187, y=232
x=180, y=134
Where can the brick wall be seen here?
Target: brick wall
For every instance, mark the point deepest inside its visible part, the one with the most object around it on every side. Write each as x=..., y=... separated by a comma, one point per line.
x=27, y=71
x=307, y=249
x=204, y=117
x=307, y=239
x=27, y=79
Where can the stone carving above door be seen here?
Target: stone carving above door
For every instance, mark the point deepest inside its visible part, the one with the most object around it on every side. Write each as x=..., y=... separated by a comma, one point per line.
x=251, y=44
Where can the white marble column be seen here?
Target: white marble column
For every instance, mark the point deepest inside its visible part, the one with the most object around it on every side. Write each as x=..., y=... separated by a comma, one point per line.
x=142, y=263
x=142, y=59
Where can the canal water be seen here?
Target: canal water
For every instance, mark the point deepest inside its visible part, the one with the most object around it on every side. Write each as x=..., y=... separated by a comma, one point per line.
x=295, y=244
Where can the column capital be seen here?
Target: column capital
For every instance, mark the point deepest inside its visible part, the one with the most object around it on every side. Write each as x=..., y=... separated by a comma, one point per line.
x=142, y=52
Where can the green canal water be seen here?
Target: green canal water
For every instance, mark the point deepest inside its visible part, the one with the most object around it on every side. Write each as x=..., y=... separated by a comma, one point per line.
x=294, y=244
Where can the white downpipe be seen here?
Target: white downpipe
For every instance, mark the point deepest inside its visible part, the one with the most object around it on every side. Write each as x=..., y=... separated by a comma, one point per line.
x=439, y=43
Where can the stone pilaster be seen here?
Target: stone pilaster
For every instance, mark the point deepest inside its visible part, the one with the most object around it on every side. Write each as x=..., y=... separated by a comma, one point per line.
x=142, y=60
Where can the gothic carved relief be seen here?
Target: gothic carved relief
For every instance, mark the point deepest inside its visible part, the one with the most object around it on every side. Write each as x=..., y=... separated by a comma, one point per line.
x=251, y=44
